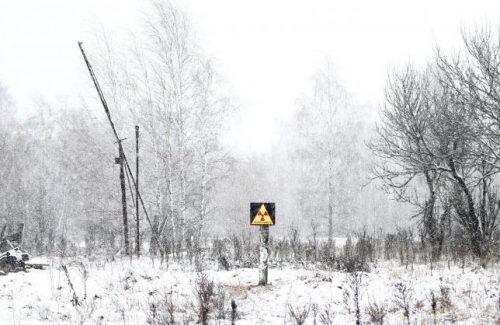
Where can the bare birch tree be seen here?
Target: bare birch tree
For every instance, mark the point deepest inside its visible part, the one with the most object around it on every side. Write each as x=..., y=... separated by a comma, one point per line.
x=171, y=91
x=326, y=149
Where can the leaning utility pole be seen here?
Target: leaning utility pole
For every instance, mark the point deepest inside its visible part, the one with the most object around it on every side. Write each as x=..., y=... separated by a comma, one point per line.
x=121, y=160
x=155, y=234
x=137, y=238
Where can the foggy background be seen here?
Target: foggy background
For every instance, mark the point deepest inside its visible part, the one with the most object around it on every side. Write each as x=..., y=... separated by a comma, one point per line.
x=266, y=51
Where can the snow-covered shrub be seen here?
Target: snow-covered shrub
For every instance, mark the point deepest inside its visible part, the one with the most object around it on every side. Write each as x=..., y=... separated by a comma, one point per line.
x=352, y=294
x=280, y=250
x=390, y=247
x=444, y=296
x=403, y=297
x=352, y=264
x=234, y=312
x=327, y=256
x=350, y=260
x=326, y=317
x=162, y=311
x=250, y=249
x=205, y=294
x=433, y=305
x=220, y=252
x=220, y=302
x=295, y=244
x=365, y=246
x=299, y=314
x=376, y=313
x=237, y=249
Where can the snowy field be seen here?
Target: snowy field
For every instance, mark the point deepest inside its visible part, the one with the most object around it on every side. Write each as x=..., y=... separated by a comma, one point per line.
x=134, y=292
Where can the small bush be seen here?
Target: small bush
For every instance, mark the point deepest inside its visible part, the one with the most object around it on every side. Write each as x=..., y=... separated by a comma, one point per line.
x=205, y=292
x=376, y=313
x=444, y=296
x=234, y=312
x=403, y=298
x=161, y=312
x=352, y=295
x=326, y=317
x=299, y=314
x=433, y=305
x=220, y=303
x=352, y=264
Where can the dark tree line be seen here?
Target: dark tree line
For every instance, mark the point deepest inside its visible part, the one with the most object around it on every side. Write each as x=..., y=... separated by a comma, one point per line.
x=439, y=143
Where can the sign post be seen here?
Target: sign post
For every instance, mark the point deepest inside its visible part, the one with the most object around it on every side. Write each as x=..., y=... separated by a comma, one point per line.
x=263, y=215
x=263, y=254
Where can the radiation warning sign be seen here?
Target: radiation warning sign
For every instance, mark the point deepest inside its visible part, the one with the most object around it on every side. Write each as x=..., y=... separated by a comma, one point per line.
x=262, y=214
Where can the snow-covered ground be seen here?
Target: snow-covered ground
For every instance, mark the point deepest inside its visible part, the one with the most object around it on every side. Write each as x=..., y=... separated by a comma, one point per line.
x=123, y=292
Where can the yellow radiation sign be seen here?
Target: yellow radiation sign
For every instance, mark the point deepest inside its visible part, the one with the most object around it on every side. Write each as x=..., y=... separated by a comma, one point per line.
x=262, y=214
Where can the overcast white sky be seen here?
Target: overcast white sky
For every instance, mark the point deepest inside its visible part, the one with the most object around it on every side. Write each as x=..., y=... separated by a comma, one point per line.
x=266, y=50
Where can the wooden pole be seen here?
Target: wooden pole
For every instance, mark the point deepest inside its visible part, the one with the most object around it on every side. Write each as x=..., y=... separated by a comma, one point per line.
x=263, y=254
x=121, y=161
x=137, y=228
